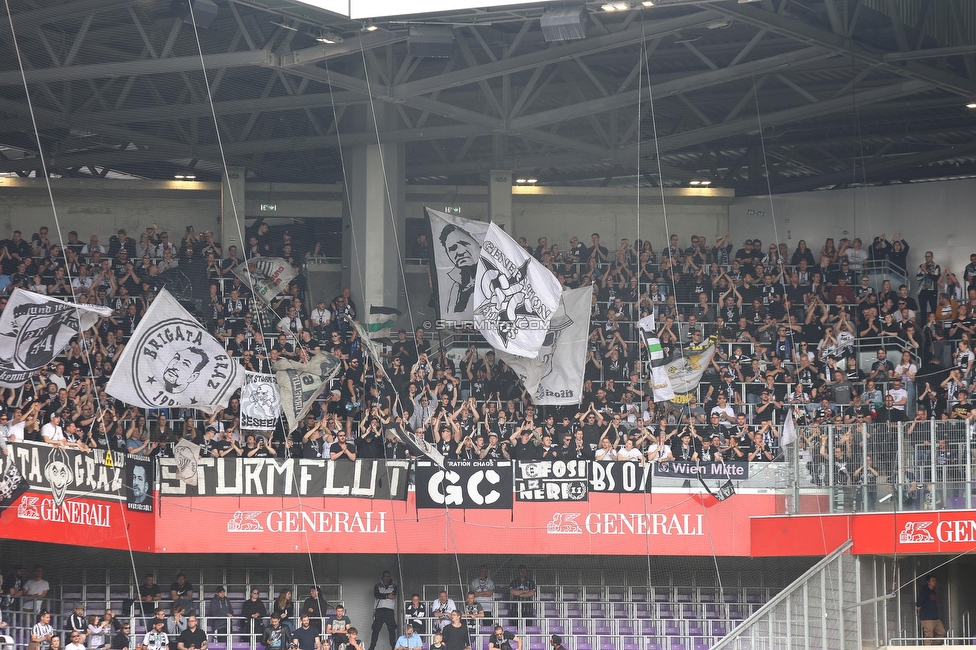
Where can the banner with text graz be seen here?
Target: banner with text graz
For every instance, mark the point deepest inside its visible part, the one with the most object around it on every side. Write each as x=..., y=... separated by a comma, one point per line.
x=625, y=523
x=480, y=484
x=75, y=498
x=247, y=477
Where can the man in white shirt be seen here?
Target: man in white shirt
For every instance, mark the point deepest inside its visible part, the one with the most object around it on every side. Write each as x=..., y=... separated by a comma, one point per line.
x=75, y=643
x=898, y=394
x=37, y=587
x=52, y=433
x=320, y=317
x=441, y=609
x=484, y=591
x=58, y=377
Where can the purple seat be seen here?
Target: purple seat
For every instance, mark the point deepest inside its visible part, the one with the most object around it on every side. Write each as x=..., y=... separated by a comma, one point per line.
x=700, y=645
x=677, y=645
x=602, y=630
x=621, y=611
x=584, y=645
x=592, y=597
x=689, y=611
x=718, y=629
x=597, y=611
x=731, y=598
x=638, y=597
x=683, y=598
x=671, y=630
x=574, y=613
x=695, y=629
x=570, y=596
x=753, y=598
x=607, y=644
x=706, y=597
x=557, y=628
x=644, y=611
x=217, y=646
x=661, y=597
x=648, y=628
x=533, y=629
x=626, y=630
x=653, y=645
x=666, y=611
x=535, y=645
x=579, y=629
x=631, y=646
x=615, y=597
x=511, y=628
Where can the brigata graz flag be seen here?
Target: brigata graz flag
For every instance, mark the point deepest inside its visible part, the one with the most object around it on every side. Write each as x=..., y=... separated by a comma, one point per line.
x=266, y=276
x=34, y=329
x=260, y=401
x=300, y=383
x=172, y=361
x=515, y=296
x=555, y=377
x=455, y=244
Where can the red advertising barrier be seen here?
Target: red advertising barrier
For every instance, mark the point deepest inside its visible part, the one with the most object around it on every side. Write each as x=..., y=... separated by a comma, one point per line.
x=905, y=533
x=627, y=523
x=78, y=521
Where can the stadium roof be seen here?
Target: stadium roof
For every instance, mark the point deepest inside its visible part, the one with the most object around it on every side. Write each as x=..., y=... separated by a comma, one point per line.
x=847, y=92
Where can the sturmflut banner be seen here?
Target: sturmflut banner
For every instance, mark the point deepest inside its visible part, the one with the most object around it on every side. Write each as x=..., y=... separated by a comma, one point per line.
x=250, y=477
x=455, y=245
x=515, y=296
x=171, y=360
x=555, y=376
x=34, y=329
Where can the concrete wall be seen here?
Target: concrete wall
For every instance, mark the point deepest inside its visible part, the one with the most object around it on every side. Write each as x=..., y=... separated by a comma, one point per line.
x=931, y=216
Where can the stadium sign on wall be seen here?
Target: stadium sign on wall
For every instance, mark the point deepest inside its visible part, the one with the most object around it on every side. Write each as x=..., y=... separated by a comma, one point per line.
x=685, y=469
x=620, y=477
x=246, y=477
x=465, y=484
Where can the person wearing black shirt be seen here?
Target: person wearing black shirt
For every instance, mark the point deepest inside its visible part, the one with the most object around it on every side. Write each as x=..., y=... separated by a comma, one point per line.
x=415, y=613
x=501, y=639
x=524, y=448
x=455, y=634
x=121, y=640
x=276, y=636
x=305, y=634
x=313, y=606
x=522, y=590
x=557, y=642
x=149, y=595
x=927, y=606
x=254, y=609
x=192, y=638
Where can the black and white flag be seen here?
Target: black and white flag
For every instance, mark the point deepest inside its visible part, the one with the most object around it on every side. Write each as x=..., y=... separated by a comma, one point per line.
x=300, y=383
x=555, y=377
x=260, y=401
x=34, y=329
x=455, y=244
x=187, y=455
x=265, y=276
x=515, y=296
x=171, y=361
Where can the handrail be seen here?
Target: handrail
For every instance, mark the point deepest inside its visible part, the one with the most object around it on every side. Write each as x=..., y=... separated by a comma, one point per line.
x=783, y=595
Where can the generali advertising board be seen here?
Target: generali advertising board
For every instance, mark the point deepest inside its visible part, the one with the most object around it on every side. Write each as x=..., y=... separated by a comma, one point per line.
x=630, y=524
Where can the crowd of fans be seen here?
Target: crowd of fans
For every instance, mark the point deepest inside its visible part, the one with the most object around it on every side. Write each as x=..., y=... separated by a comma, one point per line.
x=792, y=327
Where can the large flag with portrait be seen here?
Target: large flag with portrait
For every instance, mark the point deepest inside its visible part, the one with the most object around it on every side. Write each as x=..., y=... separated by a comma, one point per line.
x=34, y=329
x=172, y=361
x=555, y=377
x=455, y=244
x=515, y=296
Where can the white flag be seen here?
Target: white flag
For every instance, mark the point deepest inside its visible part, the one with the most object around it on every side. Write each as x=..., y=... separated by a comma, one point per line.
x=555, y=377
x=265, y=276
x=172, y=361
x=455, y=244
x=34, y=329
x=300, y=383
x=788, y=436
x=187, y=455
x=514, y=296
x=260, y=401
x=687, y=367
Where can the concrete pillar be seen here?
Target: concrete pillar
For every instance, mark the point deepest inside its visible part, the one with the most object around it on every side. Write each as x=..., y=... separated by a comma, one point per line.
x=500, y=199
x=372, y=251
x=231, y=229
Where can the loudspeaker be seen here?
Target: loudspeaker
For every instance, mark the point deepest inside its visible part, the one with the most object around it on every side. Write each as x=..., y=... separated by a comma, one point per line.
x=205, y=11
x=431, y=41
x=564, y=24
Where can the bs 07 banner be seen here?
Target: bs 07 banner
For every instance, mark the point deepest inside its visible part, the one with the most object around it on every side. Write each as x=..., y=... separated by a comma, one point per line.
x=484, y=484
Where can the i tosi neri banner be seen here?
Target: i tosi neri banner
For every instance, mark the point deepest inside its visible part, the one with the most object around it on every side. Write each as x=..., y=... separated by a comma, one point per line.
x=515, y=296
x=171, y=361
x=455, y=244
x=300, y=383
x=555, y=377
x=265, y=276
x=260, y=401
x=34, y=329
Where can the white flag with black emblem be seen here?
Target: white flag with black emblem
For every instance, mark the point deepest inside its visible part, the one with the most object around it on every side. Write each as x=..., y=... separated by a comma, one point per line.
x=555, y=377
x=454, y=244
x=300, y=383
x=187, y=455
x=260, y=401
x=172, y=361
x=515, y=296
x=34, y=329
x=265, y=276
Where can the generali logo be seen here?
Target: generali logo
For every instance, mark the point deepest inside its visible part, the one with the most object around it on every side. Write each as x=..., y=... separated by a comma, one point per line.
x=564, y=523
x=309, y=521
x=617, y=523
x=916, y=532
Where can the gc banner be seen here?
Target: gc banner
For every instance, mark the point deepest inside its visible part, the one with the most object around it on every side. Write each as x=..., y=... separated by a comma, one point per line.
x=684, y=469
x=559, y=480
x=479, y=484
x=619, y=476
x=252, y=477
